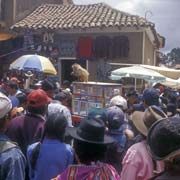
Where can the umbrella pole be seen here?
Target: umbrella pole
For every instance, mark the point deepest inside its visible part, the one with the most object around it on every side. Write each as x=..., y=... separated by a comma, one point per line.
x=135, y=83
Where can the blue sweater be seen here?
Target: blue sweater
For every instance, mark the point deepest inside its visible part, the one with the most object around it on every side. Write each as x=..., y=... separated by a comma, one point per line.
x=54, y=157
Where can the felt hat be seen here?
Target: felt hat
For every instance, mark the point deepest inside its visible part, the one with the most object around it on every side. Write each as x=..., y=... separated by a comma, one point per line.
x=151, y=96
x=5, y=105
x=38, y=98
x=95, y=112
x=164, y=138
x=29, y=74
x=115, y=117
x=91, y=131
x=144, y=120
x=132, y=92
x=119, y=101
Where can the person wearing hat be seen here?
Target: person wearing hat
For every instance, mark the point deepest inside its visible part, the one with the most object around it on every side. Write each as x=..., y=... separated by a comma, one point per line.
x=28, y=80
x=164, y=144
x=60, y=101
x=13, y=91
x=29, y=128
x=90, y=144
x=116, y=129
x=151, y=97
x=12, y=160
x=49, y=87
x=132, y=98
x=50, y=156
x=119, y=101
x=137, y=162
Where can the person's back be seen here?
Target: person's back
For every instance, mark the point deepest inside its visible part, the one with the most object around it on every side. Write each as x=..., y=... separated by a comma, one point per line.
x=90, y=143
x=25, y=130
x=116, y=128
x=138, y=163
x=52, y=153
x=29, y=128
x=54, y=156
x=12, y=160
x=96, y=171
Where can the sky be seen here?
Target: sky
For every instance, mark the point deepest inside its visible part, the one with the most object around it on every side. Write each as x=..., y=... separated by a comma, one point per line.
x=164, y=13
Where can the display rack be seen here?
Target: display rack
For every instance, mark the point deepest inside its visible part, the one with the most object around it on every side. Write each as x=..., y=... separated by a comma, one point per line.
x=87, y=95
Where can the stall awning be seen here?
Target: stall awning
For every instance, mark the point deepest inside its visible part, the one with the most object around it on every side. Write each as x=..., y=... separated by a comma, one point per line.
x=4, y=37
x=170, y=73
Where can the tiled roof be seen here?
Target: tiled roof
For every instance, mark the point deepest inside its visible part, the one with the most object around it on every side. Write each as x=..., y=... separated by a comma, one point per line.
x=54, y=16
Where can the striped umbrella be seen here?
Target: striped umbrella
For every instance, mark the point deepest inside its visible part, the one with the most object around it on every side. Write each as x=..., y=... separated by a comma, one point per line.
x=35, y=63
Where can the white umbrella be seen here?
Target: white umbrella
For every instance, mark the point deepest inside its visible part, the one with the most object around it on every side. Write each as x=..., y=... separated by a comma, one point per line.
x=137, y=72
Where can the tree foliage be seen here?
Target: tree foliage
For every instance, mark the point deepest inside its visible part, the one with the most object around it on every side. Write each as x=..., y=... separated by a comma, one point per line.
x=174, y=55
x=171, y=58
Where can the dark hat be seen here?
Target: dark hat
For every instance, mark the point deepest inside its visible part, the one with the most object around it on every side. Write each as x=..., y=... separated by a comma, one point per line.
x=115, y=117
x=60, y=96
x=132, y=92
x=164, y=138
x=171, y=109
x=97, y=113
x=151, y=96
x=91, y=131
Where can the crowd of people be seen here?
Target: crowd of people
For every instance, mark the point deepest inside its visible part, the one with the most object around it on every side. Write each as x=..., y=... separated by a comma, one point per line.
x=136, y=138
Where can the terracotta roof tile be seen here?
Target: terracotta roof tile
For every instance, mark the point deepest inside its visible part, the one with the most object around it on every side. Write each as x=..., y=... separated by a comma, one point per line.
x=54, y=16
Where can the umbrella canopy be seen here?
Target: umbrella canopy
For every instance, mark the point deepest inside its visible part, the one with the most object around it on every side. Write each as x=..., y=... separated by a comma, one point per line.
x=137, y=72
x=34, y=62
x=170, y=73
x=172, y=83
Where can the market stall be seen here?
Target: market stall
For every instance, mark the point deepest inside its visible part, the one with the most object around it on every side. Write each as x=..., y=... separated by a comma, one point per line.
x=91, y=95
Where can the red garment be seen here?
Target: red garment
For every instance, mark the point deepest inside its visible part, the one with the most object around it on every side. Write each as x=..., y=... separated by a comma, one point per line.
x=85, y=47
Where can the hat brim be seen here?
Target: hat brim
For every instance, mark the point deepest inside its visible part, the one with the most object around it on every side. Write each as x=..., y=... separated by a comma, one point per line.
x=137, y=119
x=29, y=75
x=72, y=131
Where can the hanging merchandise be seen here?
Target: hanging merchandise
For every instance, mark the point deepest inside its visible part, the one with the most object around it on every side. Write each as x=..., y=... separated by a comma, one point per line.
x=120, y=46
x=54, y=53
x=67, y=47
x=102, y=47
x=85, y=48
x=28, y=40
x=45, y=38
x=103, y=70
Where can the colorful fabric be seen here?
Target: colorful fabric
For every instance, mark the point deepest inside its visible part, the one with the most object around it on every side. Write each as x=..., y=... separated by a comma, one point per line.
x=85, y=47
x=98, y=171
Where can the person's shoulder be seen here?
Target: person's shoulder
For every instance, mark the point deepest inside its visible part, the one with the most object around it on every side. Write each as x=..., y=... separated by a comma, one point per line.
x=134, y=151
x=14, y=154
x=17, y=120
